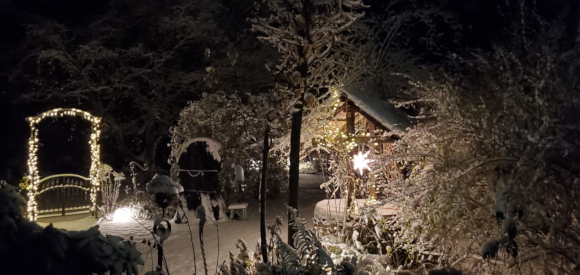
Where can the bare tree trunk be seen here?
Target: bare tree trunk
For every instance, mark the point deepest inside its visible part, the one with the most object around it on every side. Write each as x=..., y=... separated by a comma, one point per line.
x=265, y=151
x=293, y=181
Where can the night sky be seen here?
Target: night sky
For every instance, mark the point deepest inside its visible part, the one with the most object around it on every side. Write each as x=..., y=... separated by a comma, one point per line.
x=481, y=26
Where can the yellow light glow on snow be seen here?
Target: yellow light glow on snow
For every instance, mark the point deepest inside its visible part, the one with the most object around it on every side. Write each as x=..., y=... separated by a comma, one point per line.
x=123, y=215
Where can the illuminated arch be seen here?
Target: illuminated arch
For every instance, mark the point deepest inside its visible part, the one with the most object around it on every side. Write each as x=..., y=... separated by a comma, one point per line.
x=33, y=158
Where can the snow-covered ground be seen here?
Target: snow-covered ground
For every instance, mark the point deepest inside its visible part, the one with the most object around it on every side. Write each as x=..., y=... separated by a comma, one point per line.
x=177, y=247
x=71, y=223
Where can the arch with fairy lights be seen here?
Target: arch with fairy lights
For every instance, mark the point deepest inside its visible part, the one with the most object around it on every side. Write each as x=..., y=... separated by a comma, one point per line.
x=33, y=158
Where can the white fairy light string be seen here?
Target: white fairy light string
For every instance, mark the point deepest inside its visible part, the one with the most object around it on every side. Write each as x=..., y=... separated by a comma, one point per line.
x=33, y=150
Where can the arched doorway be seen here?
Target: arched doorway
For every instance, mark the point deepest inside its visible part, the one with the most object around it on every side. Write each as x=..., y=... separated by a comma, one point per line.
x=196, y=166
x=67, y=185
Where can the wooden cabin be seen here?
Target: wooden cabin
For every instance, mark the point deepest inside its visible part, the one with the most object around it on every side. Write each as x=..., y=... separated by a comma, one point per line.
x=362, y=113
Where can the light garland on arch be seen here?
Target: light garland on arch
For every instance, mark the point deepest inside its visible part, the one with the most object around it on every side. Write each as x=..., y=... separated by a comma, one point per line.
x=33, y=150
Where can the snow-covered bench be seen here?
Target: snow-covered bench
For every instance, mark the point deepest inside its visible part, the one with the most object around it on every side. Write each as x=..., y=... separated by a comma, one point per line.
x=237, y=206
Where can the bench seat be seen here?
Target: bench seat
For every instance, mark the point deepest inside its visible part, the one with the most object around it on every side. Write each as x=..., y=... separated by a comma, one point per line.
x=237, y=206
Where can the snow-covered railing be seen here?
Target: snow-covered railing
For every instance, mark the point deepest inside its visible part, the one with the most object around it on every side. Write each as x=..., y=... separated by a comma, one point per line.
x=63, y=192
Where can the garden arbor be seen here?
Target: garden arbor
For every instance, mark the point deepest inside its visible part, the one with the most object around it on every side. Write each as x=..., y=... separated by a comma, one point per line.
x=64, y=186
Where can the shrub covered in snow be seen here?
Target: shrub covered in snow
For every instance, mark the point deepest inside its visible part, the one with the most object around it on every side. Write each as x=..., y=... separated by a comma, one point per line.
x=110, y=186
x=496, y=166
x=28, y=248
x=232, y=121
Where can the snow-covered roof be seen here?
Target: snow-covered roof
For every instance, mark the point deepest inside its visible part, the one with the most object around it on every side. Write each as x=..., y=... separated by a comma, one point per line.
x=383, y=112
x=212, y=147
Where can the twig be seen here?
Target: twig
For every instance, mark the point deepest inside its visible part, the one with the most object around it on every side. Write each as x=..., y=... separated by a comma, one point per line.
x=224, y=263
x=474, y=266
x=218, y=243
x=191, y=238
x=147, y=256
x=201, y=245
x=158, y=243
x=166, y=266
x=519, y=268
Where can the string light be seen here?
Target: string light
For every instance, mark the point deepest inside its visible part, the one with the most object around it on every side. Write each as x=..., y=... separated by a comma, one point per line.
x=334, y=136
x=33, y=151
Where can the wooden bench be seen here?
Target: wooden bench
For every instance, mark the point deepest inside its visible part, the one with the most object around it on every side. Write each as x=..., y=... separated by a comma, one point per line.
x=236, y=206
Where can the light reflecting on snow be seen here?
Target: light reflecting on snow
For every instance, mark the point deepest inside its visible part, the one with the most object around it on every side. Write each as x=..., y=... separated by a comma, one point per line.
x=178, y=249
x=123, y=215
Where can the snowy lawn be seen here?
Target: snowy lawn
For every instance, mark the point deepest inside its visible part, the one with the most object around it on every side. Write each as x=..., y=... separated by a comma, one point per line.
x=177, y=248
x=71, y=223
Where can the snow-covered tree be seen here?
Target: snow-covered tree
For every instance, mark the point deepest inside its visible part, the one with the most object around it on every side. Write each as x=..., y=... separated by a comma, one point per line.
x=495, y=175
x=237, y=122
x=304, y=31
x=374, y=53
x=378, y=53
x=136, y=65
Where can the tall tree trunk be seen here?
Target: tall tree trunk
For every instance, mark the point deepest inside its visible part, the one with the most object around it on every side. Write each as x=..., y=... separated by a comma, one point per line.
x=294, y=174
x=265, y=151
x=293, y=179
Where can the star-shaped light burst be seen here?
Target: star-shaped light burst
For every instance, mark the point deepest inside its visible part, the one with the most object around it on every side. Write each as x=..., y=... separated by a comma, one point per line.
x=361, y=162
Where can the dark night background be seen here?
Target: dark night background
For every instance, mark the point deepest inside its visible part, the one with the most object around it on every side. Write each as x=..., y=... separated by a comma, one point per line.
x=481, y=25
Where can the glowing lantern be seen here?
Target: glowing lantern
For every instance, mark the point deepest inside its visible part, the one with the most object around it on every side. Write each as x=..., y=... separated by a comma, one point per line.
x=361, y=162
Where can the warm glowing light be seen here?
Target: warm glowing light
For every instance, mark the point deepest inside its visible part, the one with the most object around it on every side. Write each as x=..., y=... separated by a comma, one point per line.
x=123, y=215
x=361, y=162
x=33, y=158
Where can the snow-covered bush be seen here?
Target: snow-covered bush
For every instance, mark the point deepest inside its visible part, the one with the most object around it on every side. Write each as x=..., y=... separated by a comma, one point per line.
x=24, y=186
x=308, y=255
x=308, y=167
x=501, y=152
x=110, y=185
x=28, y=248
x=141, y=203
x=229, y=119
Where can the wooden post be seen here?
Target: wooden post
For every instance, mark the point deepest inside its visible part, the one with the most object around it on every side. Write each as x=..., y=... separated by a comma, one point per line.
x=372, y=187
x=372, y=135
x=63, y=208
x=350, y=185
x=350, y=123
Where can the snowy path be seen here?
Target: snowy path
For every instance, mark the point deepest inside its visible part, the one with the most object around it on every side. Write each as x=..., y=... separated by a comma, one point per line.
x=177, y=247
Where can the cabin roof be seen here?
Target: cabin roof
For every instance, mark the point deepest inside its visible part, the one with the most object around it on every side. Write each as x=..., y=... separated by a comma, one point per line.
x=382, y=112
